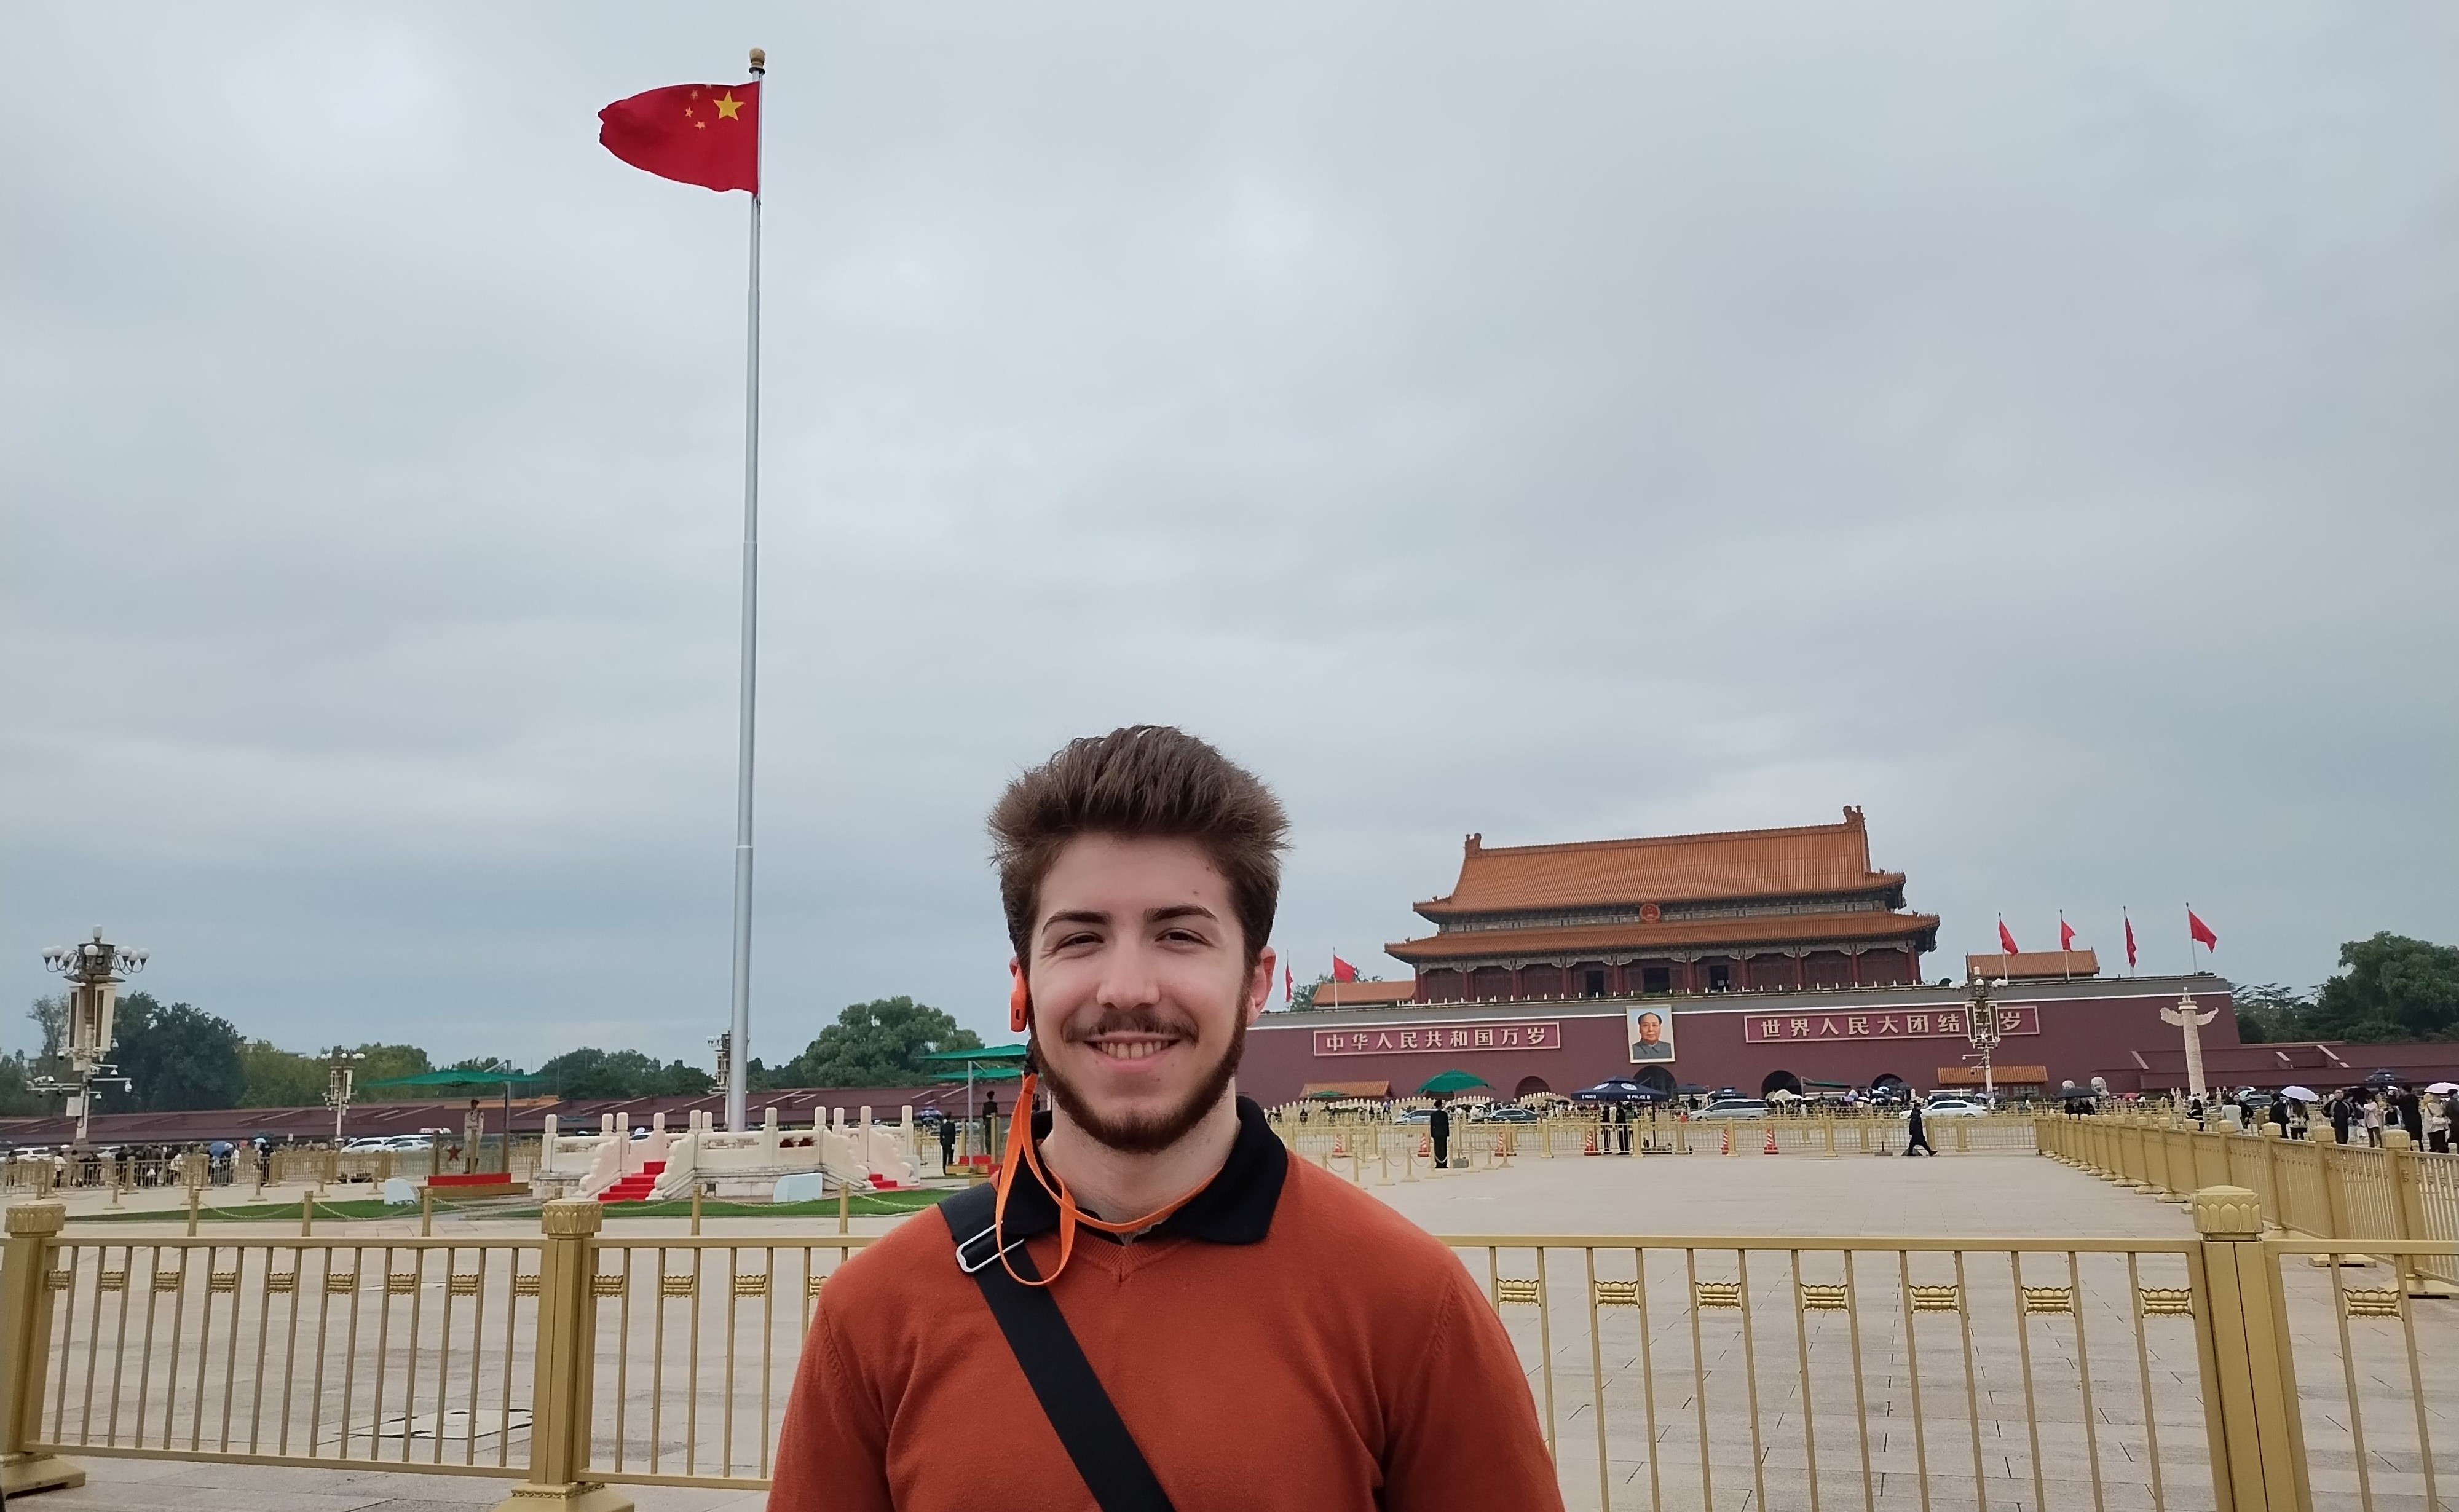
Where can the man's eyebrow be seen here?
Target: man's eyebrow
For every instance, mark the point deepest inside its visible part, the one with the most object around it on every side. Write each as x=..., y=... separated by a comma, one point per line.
x=1179, y=911
x=1076, y=916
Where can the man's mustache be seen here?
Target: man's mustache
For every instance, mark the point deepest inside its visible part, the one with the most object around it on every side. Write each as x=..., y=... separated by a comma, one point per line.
x=1129, y=1021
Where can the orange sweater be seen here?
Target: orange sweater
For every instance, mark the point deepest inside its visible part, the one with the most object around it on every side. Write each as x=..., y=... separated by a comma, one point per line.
x=1292, y=1342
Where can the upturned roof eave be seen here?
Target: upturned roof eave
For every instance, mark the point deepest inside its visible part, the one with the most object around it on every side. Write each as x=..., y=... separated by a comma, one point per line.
x=1890, y=883
x=1921, y=929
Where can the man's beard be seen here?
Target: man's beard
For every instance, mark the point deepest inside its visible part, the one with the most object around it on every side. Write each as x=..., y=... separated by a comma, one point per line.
x=1146, y=1134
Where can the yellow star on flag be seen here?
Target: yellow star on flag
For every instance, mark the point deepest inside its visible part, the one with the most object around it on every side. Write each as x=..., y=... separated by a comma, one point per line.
x=729, y=108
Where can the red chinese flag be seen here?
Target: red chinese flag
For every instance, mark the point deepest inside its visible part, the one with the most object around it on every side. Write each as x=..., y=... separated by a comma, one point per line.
x=1289, y=985
x=2065, y=935
x=2006, y=939
x=1342, y=971
x=695, y=134
x=2201, y=933
x=2130, y=942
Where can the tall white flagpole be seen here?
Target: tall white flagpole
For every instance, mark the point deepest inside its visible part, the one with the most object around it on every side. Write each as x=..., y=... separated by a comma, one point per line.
x=739, y=1065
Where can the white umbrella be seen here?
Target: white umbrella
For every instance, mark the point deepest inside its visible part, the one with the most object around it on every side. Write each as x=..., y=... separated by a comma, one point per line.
x=2301, y=1094
x=2442, y=1089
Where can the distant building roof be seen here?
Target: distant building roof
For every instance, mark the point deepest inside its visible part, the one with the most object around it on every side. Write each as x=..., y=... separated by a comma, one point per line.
x=1769, y=928
x=2033, y=965
x=1811, y=859
x=1363, y=993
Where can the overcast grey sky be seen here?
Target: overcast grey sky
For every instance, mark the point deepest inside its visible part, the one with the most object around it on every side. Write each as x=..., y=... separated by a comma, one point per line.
x=2033, y=423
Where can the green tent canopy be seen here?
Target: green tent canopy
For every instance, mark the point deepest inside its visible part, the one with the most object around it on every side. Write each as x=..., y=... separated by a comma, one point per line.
x=984, y=1056
x=458, y=1077
x=1453, y=1082
x=1330, y=1095
x=1001, y=1073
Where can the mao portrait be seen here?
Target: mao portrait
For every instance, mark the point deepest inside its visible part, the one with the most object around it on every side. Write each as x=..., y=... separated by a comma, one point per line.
x=1651, y=1035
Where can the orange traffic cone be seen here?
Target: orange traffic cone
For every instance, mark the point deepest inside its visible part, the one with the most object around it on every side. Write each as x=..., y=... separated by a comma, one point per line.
x=1425, y=1147
x=1769, y=1148
x=1588, y=1146
x=1340, y=1147
x=1728, y=1148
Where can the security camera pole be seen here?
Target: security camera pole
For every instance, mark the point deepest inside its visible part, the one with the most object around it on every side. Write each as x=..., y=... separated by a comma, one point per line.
x=93, y=971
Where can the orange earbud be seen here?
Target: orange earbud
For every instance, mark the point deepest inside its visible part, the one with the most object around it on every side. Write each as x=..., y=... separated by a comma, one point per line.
x=1019, y=1005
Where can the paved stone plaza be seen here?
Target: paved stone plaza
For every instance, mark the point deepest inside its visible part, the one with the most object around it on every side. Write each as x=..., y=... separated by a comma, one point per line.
x=1994, y=1421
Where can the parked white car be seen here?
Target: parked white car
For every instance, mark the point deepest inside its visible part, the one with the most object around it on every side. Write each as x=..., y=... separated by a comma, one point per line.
x=1734, y=1108
x=1955, y=1108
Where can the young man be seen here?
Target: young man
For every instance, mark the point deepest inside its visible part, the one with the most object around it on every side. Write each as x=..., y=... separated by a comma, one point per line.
x=1264, y=1333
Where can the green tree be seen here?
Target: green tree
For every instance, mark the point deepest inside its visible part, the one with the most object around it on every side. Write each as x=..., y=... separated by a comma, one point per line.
x=384, y=1062
x=590, y=1072
x=2270, y=1014
x=278, y=1078
x=17, y=1099
x=877, y=1043
x=177, y=1057
x=2391, y=988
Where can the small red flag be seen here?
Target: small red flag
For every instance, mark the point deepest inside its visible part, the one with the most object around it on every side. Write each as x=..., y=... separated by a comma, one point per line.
x=2006, y=939
x=2066, y=935
x=695, y=134
x=2201, y=933
x=1342, y=971
x=1289, y=985
x=2130, y=941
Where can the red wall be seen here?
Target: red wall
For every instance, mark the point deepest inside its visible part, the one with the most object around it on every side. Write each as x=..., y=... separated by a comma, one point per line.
x=2084, y=1027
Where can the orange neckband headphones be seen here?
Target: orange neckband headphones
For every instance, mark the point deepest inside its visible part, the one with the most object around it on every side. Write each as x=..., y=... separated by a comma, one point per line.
x=1022, y=1151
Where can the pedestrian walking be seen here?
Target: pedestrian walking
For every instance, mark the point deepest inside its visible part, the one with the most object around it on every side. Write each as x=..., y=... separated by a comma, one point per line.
x=1916, y=1134
x=2373, y=1119
x=2342, y=1115
x=1198, y=1317
x=2437, y=1123
x=947, y=1146
x=1439, y=1128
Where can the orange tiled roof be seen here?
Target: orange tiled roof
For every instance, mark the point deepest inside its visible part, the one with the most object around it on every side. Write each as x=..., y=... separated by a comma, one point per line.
x=1771, y=929
x=2033, y=965
x=1361, y=993
x=1665, y=869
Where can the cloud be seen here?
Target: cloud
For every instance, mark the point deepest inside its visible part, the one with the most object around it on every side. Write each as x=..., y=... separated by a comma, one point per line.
x=2028, y=424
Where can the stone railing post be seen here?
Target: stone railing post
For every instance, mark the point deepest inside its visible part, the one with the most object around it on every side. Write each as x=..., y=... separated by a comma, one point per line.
x=2249, y=1379
x=567, y=1344
x=25, y=1344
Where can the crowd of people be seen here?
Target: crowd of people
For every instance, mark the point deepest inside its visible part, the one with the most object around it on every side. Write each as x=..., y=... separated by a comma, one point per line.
x=2357, y=1115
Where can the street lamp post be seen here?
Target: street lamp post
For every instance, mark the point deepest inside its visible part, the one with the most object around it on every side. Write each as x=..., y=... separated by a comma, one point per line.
x=341, y=1084
x=93, y=970
x=1982, y=1030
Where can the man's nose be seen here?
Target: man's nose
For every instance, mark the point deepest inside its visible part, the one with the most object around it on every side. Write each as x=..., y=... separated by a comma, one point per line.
x=1128, y=979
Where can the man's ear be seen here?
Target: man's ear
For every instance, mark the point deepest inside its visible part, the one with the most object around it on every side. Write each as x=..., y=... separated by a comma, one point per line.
x=1259, y=983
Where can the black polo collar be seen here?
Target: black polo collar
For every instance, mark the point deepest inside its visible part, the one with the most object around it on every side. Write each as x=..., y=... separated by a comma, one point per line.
x=1234, y=1207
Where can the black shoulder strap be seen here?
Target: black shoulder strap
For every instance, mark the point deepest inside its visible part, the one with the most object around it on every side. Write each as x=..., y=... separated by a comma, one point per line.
x=1054, y=1364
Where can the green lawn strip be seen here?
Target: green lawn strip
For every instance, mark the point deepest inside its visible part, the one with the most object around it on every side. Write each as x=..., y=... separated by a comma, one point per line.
x=869, y=1204
x=894, y=1203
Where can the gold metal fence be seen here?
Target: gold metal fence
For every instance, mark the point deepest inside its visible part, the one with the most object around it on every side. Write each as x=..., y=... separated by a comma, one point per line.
x=2394, y=1194
x=2214, y=1370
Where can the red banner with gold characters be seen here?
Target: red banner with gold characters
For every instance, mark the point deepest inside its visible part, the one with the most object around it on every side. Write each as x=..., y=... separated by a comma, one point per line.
x=1512, y=1034
x=1938, y=1023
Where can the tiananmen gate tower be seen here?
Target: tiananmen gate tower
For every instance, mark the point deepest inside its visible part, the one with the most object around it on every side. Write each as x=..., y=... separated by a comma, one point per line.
x=1750, y=959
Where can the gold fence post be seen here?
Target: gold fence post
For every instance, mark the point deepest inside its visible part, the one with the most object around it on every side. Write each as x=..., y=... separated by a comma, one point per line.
x=1827, y=1123
x=845, y=1208
x=25, y=1345
x=567, y=1346
x=426, y=1210
x=2249, y=1378
x=2408, y=1180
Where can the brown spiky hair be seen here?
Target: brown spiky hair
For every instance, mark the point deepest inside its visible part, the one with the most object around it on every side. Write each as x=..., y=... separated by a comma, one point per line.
x=1143, y=781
